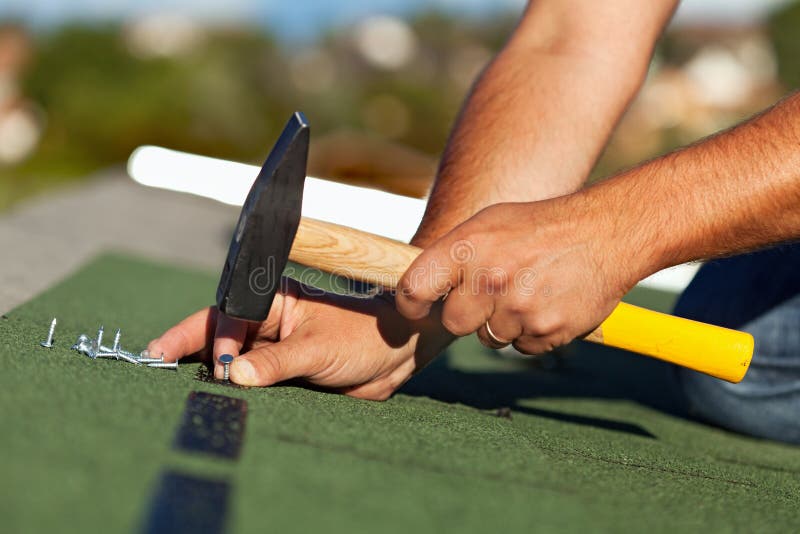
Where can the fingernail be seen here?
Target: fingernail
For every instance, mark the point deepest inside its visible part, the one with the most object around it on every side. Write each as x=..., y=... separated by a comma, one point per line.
x=243, y=372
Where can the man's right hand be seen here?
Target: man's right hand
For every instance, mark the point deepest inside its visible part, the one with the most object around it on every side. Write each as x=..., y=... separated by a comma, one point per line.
x=361, y=347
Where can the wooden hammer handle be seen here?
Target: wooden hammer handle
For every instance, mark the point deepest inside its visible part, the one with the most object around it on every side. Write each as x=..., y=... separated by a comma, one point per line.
x=357, y=255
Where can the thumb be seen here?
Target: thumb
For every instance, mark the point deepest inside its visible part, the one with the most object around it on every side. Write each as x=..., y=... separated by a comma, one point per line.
x=294, y=357
x=429, y=278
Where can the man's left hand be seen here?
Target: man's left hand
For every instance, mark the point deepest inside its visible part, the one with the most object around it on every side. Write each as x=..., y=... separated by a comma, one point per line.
x=539, y=274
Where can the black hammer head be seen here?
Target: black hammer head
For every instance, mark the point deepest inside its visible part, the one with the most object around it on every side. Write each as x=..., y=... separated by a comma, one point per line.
x=267, y=225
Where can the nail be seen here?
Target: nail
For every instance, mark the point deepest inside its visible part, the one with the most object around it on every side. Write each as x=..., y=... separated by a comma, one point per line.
x=119, y=356
x=116, y=340
x=226, y=360
x=164, y=365
x=85, y=346
x=49, y=341
x=151, y=360
x=100, y=337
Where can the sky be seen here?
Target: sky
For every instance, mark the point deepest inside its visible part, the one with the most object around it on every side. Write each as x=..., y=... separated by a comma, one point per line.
x=298, y=20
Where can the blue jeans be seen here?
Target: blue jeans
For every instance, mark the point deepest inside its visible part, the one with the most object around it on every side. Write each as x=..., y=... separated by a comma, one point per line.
x=760, y=294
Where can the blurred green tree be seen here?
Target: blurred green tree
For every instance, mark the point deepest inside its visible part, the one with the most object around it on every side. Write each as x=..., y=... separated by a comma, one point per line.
x=783, y=30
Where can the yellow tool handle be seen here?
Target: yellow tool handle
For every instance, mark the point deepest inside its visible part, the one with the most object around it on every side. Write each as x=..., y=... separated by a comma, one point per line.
x=709, y=349
x=357, y=255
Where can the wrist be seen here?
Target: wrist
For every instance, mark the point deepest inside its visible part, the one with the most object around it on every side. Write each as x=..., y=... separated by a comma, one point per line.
x=626, y=242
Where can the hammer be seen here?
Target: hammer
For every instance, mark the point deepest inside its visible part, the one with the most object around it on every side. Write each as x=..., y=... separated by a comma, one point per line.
x=271, y=231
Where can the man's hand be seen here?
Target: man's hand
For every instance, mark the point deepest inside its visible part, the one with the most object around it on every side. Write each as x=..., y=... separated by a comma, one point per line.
x=358, y=346
x=549, y=84
x=544, y=273
x=541, y=274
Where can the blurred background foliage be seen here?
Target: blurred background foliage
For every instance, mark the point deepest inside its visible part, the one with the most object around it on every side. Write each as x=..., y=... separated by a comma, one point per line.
x=381, y=93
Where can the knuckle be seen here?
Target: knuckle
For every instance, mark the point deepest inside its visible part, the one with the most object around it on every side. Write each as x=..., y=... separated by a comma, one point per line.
x=270, y=369
x=519, y=301
x=455, y=325
x=489, y=280
x=182, y=338
x=517, y=304
x=545, y=324
x=405, y=287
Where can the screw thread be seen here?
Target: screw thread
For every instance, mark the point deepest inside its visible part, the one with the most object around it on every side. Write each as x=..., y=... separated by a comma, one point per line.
x=49, y=341
x=116, y=339
x=52, y=330
x=164, y=365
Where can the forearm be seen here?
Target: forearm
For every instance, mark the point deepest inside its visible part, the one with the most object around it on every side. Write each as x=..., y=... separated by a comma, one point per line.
x=539, y=116
x=733, y=192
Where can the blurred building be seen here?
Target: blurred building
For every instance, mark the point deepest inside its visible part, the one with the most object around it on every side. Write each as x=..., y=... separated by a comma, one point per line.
x=162, y=35
x=359, y=159
x=382, y=93
x=703, y=79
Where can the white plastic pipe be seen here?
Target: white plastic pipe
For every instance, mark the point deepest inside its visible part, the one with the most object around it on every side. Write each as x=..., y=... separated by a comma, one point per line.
x=387, y=214
x=370, y=210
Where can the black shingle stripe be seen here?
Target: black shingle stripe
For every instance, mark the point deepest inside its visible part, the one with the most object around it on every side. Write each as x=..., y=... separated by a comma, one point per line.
x=182, y=503
x=188, y=504
x=212, y=424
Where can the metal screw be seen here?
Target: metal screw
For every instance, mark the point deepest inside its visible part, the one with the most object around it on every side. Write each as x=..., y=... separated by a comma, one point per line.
x=129, y=359
x=151, y=360
x=49, y=341
x=116, y=340
x=82, y=340
x=226, y=360
x=119, y=356
x=100, y=337
x=84, y=345
x=164, y=365
x=120, y=351
x=125, y=352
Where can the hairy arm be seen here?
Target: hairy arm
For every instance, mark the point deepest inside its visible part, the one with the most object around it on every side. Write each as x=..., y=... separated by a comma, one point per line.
x=539, y=116
x=730, y=193
x=734, y=192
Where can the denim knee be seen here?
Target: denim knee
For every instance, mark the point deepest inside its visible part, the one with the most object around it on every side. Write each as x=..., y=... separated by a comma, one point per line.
x=760, y=294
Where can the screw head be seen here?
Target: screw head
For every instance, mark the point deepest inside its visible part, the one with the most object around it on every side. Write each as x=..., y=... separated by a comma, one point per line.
x=226, y=359
x=83, y=338
x=85, y=345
